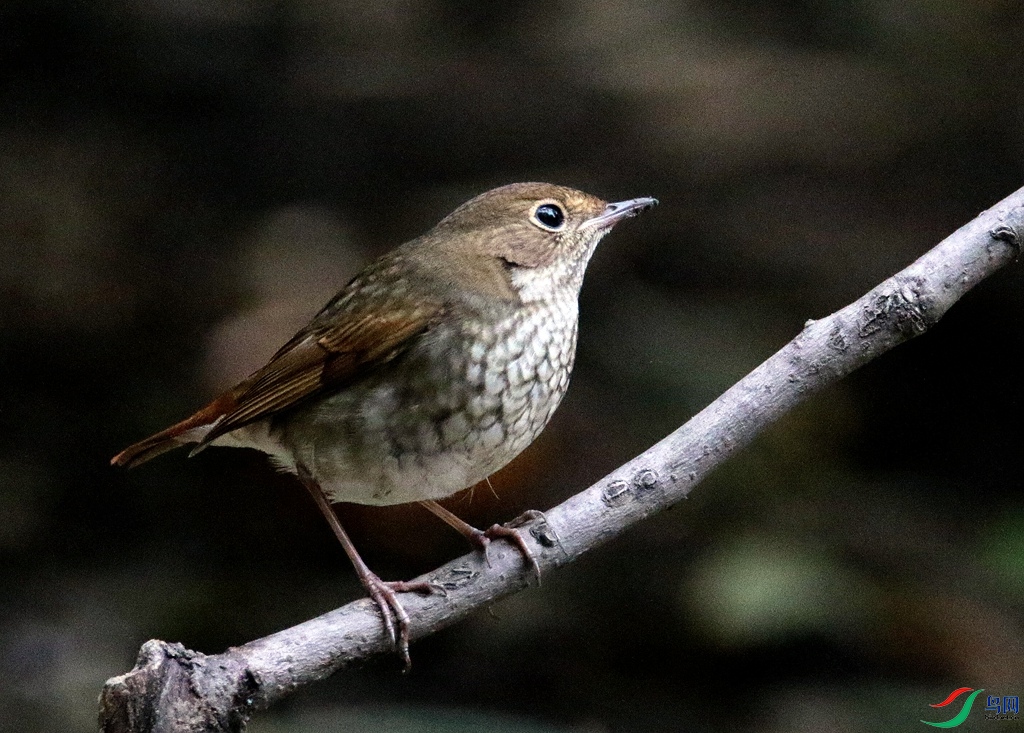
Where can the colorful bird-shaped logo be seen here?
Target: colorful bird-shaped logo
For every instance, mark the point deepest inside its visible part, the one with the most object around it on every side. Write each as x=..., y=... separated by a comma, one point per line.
x=964, y=711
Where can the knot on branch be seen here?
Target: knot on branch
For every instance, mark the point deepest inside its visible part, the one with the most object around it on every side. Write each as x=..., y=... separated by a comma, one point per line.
x=172, y=688
x=1006, y=233
x=619, y=492
x=897, y=309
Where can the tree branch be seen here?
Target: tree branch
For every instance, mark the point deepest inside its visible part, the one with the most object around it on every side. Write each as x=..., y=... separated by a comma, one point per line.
x=172, y=688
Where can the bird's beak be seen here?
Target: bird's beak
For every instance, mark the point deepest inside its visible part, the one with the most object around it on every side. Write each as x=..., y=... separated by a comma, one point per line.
x=614, y=213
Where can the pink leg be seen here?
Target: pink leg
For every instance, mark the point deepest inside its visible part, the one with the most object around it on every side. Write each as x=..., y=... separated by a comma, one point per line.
x=482, y=539
x=382, y=592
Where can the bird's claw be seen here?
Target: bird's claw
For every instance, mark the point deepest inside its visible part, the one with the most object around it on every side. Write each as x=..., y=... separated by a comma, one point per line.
x=503, y=531
x=393, y=614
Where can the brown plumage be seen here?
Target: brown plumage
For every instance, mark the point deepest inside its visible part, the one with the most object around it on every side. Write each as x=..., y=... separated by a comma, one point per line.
x=432, y=368
x=326, y=355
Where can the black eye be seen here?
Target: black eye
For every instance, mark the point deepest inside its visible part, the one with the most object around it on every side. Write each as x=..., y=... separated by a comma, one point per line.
x=550, y=216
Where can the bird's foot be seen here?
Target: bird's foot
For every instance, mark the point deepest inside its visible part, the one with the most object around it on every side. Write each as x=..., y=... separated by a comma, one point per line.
x=396, y=620
x=482, y=539
x=513, y=535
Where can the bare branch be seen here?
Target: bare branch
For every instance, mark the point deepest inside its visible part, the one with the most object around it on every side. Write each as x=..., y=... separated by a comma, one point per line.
x=172, y=688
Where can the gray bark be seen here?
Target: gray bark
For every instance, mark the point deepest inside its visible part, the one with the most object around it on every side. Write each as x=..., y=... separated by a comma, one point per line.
x=175, y=689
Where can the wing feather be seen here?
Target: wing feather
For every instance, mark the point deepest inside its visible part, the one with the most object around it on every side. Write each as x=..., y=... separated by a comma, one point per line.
x=335, y=350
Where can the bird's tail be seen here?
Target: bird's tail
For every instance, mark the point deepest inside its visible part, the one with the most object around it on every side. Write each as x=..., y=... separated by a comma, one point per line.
x=190, y=430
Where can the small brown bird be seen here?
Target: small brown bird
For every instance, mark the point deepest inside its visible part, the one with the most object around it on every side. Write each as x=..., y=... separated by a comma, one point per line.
x=433, y=368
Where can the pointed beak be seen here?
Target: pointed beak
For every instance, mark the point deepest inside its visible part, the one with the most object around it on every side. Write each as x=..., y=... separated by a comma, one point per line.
x=614, y=213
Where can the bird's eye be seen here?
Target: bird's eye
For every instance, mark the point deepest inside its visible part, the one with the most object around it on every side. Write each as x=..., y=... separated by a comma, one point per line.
x=549, y=216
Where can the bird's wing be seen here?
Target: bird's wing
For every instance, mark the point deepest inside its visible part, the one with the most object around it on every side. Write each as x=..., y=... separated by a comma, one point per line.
x=345, y=341
x=336, y=349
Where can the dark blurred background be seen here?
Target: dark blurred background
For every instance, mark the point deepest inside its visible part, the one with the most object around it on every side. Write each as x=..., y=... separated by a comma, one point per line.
x=183, y=182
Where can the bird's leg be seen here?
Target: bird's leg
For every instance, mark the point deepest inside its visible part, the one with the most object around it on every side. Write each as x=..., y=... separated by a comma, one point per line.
x=481, y=539
x=382, y=592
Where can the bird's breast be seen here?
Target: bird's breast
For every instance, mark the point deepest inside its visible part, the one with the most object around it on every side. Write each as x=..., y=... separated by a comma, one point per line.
x=460, y=405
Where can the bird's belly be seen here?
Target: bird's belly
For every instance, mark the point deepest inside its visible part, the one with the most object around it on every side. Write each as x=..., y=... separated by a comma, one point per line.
x=402, y=479
x=410, y=460
x=439, y=423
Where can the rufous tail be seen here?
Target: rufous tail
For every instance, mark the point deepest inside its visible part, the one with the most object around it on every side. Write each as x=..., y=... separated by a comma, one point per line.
x=190, y=430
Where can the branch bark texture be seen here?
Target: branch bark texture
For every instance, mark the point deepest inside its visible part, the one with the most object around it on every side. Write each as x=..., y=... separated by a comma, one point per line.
x=175, y=689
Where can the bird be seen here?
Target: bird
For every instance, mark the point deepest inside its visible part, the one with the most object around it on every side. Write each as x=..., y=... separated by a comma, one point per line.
x=431, y=369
